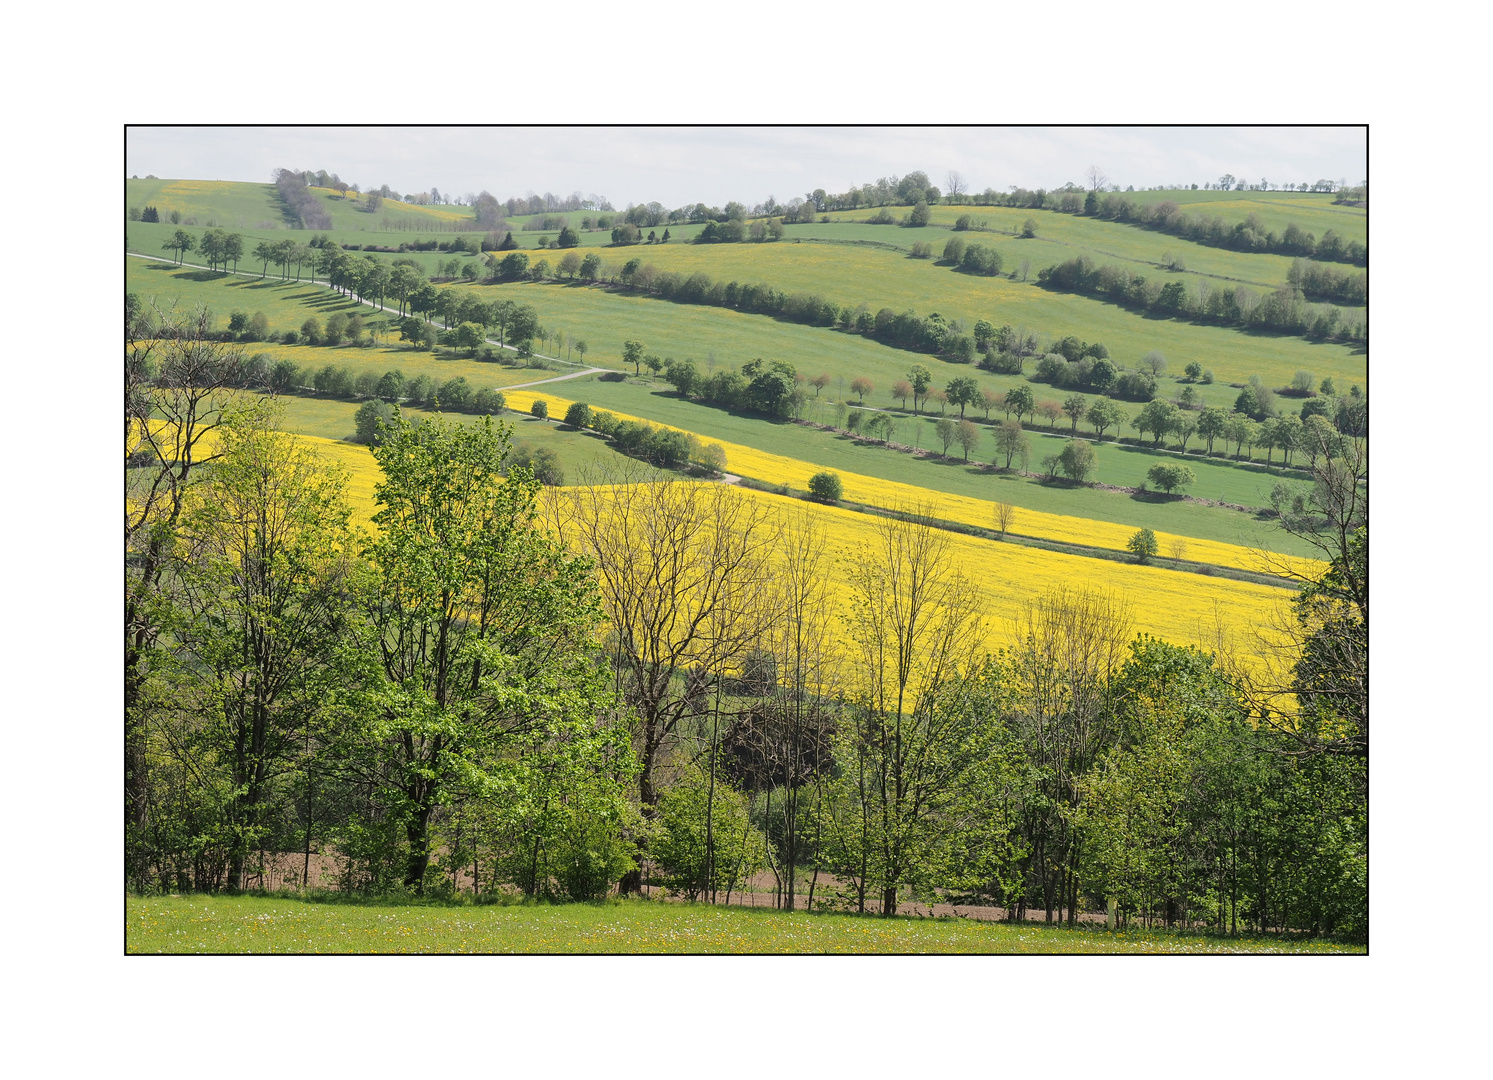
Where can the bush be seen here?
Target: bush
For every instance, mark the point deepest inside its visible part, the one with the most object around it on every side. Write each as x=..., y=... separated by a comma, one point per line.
x=578, y=415
x=488, y=402
x=680, y=844
x=290, y=337
x=826, y=487
x=540, y=408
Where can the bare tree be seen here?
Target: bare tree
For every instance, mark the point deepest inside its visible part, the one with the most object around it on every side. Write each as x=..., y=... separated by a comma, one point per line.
x=954, y=183
x=1096, y=178
x=914, y=627
x=1005, y=516
x=683, y=569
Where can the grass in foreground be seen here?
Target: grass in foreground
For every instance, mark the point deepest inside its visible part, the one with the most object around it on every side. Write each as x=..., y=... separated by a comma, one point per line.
x=263, y=924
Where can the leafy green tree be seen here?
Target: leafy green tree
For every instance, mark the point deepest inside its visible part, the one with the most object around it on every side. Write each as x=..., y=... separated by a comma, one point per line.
x=370, y=416
x=1171, y=477
x=481, y=628
x=963, y=390
x=706, y=840
x=1104, y=413
x=947, y=433
x=1142, y=545
x=1021, y=401
x=1012, y=441
x=826, y=487
x=540, y=409
x=1193, y=371
x=1160, y=418
x=632, y=353
x=578, y=415
x=920, y=378
x=568, y=238
x=590, y=267
x=265, y=593
x=1077, y=460
x=1075, y=405
x=1211, y=424
x=969, y=437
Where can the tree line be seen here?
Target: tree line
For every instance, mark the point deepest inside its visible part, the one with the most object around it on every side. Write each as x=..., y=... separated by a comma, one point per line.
x=1282, y=311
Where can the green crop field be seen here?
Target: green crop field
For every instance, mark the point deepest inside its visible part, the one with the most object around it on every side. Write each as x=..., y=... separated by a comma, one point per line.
x=260, y=924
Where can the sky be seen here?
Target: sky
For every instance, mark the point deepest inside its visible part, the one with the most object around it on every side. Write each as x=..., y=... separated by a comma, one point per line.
x=679, y=165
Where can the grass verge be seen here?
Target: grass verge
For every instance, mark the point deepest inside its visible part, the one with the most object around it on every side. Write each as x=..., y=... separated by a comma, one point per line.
x=283, y=924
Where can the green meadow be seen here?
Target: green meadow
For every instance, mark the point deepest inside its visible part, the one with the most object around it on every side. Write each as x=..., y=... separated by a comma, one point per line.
x=290, y=925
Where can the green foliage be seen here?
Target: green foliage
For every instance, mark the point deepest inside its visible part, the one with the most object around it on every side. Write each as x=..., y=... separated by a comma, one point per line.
x=540, y=408
x=736, y=847
x=578, y=415
x=826, y=487
x=1170, y=477
x=1142, y=545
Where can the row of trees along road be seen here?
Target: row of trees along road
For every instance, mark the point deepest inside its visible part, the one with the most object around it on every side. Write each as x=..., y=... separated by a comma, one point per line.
x=564, y=692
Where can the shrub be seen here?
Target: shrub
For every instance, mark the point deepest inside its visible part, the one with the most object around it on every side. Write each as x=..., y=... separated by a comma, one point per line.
x=578, y=415
x=540, y=408
x=488, y=402
x=290, y=337
x=826, y=487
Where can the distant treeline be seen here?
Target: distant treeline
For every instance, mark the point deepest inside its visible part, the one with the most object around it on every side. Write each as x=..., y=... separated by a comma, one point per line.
x=1247, y=235
x=1284, y=311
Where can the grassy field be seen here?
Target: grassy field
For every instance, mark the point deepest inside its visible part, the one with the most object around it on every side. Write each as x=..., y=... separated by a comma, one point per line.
x=259, y=924
x=849, y=275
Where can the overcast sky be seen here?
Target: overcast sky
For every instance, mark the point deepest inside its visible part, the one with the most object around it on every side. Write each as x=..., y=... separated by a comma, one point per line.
x=681, y=165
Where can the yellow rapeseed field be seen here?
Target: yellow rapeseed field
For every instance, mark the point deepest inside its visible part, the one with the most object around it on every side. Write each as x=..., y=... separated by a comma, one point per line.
x=1182, y=608
x=776, y=469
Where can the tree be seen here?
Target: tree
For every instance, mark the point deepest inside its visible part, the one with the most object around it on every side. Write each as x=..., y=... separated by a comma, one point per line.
x=1075, y=405
x=1154, y=362
x=1029, y=228
x=947, y=433
x=578, y=415
x=819, y=382
x=632, y=353
x=1160, y=418
x=1005, y=517
x=963, y=390
x=1021, y=401
x=683, y=569
x=826, y=487
x=1211, y=423
x=481, y=625
x=590, y=267
x=1050, y=411
x=1103, y=414
x=991, y=399
x=860, y=386
x=920, y=378
x=181, y=243
x=265, y=598
x=969, y=437
x=1142, y=545
x=569, y=265
x=370, y=416
x=1077, y=460
x=1170, y=477
x=568, y=237
x=540, y=408
x=902, y=390
x=1012, y=441
x=178, y=380
x=903, y=755
x=1193, y=371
